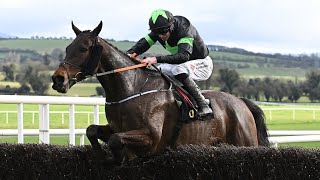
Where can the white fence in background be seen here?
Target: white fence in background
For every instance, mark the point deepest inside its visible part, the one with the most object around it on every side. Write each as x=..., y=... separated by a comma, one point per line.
x=268, y=111
x=44, y=132
x=44, y=110
x=292, y=136
x=33, y=114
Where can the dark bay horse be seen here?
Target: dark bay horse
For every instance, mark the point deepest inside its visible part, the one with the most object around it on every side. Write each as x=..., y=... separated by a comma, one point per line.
x=141, y=110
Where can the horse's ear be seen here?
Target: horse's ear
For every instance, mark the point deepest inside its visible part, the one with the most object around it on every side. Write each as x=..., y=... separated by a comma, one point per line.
x=75, y=29
x=97, y=30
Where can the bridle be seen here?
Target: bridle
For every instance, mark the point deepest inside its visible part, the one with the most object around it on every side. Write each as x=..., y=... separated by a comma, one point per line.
x=78, y=74
x=82, y=74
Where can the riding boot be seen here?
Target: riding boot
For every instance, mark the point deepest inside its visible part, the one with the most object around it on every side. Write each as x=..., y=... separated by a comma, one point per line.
x=203, y=109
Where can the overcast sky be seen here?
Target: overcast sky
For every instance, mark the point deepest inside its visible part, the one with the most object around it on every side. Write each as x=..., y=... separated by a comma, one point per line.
x=271, y=26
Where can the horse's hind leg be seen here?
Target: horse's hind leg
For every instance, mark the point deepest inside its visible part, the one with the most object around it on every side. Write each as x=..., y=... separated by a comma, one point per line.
x=95, y=132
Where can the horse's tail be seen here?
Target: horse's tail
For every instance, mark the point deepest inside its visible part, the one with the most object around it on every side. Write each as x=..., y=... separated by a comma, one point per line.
x=259, y=118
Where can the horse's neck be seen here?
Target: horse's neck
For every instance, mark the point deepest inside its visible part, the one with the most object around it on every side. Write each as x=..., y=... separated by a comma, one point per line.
x=119, y=85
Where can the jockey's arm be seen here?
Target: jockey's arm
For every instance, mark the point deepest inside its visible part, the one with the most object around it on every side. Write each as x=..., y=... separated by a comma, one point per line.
x=143, y=44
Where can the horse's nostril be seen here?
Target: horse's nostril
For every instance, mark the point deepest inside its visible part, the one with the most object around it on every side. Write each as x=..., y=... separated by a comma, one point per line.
x=58, y=79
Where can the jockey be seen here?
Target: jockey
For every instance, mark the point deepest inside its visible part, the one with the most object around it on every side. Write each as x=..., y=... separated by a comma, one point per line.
x=189, y=58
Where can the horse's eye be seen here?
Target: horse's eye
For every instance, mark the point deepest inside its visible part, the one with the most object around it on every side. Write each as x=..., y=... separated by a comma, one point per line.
x=83, y=49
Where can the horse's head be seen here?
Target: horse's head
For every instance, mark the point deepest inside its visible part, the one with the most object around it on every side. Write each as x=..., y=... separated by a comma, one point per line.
x=82, y=58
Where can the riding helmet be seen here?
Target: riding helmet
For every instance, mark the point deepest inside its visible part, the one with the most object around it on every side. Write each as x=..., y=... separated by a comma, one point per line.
x=160, y=19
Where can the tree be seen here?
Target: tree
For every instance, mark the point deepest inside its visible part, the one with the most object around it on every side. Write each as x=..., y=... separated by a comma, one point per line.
x=37, y=80
x=46, y=59
x=279, y=90
x=228, y=80
x=24, y=89
x=9, y=72
x=258, y=86
x=311, y=86
x=294, y=92
x=39, y=83
x=267, y=88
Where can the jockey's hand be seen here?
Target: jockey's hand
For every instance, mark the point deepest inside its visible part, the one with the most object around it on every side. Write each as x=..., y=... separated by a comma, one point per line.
x=132, y=55
x=149, y=61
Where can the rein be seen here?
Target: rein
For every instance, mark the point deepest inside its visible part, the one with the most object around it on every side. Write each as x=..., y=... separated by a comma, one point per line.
x=80, y=76
x=129, y=68
x=125, y=68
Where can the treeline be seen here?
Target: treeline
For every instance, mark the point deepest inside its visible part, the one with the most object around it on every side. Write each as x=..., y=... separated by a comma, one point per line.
x=276, y=60
x=265, y=89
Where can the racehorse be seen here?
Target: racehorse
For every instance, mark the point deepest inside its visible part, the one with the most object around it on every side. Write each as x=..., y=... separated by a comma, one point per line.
x=141, y=109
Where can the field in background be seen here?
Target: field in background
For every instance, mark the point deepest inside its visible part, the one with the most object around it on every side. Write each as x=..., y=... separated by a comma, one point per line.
x=254, y=70
x=46, y=46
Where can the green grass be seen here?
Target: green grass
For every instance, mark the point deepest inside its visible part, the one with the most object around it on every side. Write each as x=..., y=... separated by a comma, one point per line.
x=47, y=45
x=274, y=72
x=61, y=140
x=41, y=46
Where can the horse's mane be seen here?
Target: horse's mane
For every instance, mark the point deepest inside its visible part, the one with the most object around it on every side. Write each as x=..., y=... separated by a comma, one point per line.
x=149, y=71
x=114, y=47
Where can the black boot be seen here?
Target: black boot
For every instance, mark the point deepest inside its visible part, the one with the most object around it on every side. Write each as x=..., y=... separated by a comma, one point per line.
x=203, y=109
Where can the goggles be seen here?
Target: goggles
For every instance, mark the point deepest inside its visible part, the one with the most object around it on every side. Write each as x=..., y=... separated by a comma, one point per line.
x=161, y=31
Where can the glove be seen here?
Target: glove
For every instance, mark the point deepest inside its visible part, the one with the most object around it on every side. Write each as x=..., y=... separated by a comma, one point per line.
x=133, y=55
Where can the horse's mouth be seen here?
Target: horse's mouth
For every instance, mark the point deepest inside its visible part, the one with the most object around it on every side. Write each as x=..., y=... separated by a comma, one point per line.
x=60, y=88
x=63, y=88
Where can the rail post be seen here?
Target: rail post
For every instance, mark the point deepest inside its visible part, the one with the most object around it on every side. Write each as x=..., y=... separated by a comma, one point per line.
x=20, y=123
x=72, y=134
x=44, y=136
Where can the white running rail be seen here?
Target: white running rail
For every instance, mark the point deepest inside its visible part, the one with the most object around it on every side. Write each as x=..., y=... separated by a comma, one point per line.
x=44, y=102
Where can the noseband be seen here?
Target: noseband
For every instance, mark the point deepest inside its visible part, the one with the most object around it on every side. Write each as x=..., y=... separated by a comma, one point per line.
x=78, y=77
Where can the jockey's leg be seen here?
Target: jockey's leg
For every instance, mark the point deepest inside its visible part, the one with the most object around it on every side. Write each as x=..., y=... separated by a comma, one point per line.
x=203, y=109
x=95, y=132
x=134, y=139
x=198, y=70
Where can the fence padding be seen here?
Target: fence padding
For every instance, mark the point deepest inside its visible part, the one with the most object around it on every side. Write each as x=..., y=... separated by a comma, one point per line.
x=33, y=161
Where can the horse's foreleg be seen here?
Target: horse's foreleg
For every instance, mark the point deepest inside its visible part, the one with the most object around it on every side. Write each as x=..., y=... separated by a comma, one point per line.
x=139, y=139
x=95, y=132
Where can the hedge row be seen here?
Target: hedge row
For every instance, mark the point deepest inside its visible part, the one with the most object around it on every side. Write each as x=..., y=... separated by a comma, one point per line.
x=34, y=161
